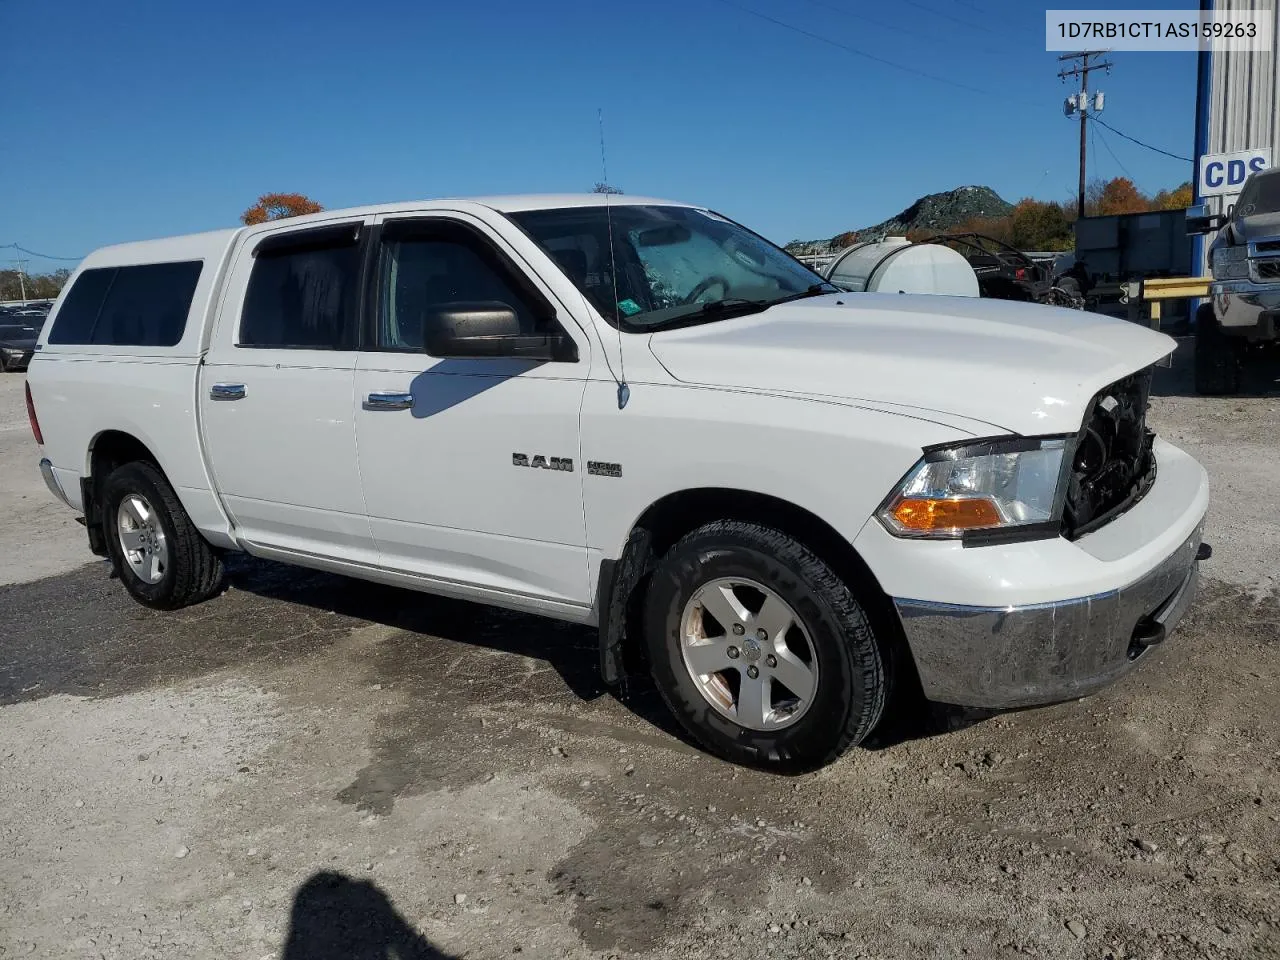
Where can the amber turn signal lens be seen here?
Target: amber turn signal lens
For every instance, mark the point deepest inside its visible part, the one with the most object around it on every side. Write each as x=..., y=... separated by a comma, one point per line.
x=927, y=514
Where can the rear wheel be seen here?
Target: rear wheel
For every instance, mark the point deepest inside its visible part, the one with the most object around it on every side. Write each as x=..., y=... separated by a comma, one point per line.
x=160, y=556
x=760, y=650
x=1218, y=359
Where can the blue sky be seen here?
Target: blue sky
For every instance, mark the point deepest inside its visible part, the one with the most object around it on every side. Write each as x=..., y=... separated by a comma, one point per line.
x=128, y=120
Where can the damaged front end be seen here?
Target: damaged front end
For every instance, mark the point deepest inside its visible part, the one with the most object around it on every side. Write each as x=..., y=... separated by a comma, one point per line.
x=1113, y=466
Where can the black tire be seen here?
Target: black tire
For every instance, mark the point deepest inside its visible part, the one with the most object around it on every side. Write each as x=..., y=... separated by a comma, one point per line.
x=852, y=686
x=194, y=569
x=4, y=364
x=1217, y=357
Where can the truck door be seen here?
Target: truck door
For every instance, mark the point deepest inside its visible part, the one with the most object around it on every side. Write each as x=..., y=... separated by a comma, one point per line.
x=471, y=467
x=277, y=395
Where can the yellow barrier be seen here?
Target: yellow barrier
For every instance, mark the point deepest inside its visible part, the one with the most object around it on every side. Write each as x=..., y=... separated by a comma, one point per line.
x=1157, y=289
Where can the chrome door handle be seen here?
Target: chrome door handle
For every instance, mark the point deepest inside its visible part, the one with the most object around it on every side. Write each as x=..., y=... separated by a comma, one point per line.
x=388, y=401
x=226, y=391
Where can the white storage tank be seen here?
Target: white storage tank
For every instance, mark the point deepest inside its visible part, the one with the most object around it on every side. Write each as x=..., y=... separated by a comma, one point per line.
x=896, y=265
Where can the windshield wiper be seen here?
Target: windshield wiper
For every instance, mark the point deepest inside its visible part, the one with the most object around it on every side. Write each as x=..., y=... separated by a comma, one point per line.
x=735, y=307
x=714, y=310
x=813, y=290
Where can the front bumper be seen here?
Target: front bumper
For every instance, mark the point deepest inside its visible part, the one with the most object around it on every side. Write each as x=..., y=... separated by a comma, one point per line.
x=1019, y=656
x=1246, y=308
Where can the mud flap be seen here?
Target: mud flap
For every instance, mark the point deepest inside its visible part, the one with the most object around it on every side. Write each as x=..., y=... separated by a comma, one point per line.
x=614, y=598
x=92, y=518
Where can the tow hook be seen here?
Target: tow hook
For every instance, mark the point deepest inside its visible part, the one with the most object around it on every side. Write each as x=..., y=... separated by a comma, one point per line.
x=1148, y=633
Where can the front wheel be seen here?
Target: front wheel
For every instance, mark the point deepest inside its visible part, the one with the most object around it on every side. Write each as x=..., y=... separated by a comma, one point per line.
x=760, y=650
x=1218, y=357
x=161, y=558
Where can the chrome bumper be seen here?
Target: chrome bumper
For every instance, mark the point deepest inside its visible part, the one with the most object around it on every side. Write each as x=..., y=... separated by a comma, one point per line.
x=51, y=481
x=1243, y=305
x=17, y=360
x=1044, y=653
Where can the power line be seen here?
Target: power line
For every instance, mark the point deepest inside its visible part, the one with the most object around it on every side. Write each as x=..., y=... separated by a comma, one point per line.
x=1123, y=168
x=913, y=32
x=32, y=253
x=1093, y=140
x=946, y=16
x=1140, y=143
x=864, y=18
x=854, y=50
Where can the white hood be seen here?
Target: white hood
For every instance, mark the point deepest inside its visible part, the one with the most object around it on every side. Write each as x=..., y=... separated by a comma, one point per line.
x=1021, y=367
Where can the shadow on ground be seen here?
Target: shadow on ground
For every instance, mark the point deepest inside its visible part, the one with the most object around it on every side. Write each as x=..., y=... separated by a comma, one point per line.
x=81, y=634
x=1260, y=374
x=337, y=918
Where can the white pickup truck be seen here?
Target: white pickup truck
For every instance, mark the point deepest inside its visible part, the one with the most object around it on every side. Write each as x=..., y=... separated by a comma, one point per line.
x=640, y=415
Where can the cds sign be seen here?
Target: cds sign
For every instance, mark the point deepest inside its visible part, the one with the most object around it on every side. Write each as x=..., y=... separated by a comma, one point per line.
x=1225, y=173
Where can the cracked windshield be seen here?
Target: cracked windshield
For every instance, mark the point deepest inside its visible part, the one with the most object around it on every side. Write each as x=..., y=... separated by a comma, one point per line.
x=667, y=265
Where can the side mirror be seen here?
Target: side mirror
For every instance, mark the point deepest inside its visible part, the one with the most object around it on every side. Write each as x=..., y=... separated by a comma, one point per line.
x=1200, y=220
x=489, y=328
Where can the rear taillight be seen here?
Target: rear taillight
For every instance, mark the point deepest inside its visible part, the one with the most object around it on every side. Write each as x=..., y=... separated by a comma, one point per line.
x=31, y=415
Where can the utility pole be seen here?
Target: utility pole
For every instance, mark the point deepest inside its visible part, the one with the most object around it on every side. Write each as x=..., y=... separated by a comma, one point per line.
x=1080, y=102
x=22, y=278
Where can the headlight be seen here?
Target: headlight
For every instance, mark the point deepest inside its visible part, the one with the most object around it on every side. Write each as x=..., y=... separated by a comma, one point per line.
x=1230, y=263
x=993, y=486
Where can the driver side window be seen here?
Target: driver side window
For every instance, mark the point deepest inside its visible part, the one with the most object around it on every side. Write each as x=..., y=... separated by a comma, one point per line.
x=423, y=268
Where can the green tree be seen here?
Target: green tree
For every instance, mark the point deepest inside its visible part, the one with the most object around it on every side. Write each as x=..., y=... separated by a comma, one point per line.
x=602, y=187
x=1039, y=225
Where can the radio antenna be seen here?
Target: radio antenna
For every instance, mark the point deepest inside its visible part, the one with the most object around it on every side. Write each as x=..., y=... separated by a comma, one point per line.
x=624, y=391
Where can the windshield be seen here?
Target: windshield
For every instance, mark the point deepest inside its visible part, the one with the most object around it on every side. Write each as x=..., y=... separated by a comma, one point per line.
x=1260, y=195
x=668, y=265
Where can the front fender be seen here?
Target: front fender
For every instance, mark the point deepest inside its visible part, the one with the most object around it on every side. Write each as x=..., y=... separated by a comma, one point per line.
x=835, y=461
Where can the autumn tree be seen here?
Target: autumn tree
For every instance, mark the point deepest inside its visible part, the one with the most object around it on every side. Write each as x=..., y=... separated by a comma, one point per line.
x=1176, y=199
x=277, y=206
x=1119, y=195
x=998, y=228
x=846, y=239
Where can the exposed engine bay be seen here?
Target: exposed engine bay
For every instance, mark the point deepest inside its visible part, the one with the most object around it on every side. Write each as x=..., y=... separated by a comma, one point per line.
x=1113, y=466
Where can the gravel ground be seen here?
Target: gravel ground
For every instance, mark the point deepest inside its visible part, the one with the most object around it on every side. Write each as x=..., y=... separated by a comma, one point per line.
x=311, y=767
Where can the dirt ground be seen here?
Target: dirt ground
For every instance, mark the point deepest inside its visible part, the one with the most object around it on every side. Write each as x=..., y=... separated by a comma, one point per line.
x=312, y=767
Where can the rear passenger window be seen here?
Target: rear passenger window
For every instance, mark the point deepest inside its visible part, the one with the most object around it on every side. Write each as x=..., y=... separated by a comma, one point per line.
x=142, y=306
x=304, y=291
x=79, y=311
